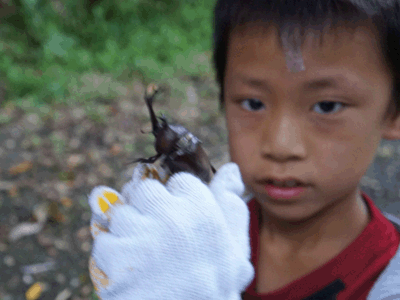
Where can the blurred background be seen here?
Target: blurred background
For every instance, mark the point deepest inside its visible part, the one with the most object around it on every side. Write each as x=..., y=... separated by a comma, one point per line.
x=72, y=80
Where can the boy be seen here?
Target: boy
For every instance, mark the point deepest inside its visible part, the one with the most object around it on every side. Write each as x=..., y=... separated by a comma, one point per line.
x=313, y=113
x=309, y=89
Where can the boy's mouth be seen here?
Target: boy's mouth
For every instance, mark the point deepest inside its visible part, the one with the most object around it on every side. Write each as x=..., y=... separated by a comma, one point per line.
x=289, y=183
x=285, y=183
x=284, y=189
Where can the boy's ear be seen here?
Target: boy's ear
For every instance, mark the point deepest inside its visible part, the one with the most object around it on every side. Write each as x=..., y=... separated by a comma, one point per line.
x=392, y=128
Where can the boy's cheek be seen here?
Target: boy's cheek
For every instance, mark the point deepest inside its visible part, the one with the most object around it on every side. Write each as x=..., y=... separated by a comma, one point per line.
x=244, y=162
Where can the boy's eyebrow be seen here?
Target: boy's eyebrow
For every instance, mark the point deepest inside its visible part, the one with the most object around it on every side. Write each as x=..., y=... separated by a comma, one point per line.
x=323, y=83
x=312, y=85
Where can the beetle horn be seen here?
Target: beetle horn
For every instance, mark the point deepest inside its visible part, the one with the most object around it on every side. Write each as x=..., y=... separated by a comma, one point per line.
x=151, y=91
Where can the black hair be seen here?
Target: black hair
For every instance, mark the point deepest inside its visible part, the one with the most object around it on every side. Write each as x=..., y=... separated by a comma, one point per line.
x=315, y=15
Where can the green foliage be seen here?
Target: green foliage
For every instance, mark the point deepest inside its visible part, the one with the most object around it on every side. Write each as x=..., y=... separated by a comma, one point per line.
x=46, y=45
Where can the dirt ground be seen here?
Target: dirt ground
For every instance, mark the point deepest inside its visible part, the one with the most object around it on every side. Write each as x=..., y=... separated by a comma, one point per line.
x=51, y=160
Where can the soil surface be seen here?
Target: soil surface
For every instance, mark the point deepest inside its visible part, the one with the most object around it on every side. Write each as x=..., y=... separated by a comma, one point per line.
x=51, y=159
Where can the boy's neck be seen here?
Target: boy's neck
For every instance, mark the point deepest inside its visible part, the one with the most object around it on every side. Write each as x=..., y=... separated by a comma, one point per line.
x=336, y=228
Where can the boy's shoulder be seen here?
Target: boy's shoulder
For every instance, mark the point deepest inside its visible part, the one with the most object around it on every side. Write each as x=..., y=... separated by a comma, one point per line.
x=387, y=287
x=393, y=219
x=379, y=245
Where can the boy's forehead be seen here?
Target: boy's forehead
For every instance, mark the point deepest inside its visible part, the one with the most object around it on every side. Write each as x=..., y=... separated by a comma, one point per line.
x=296, y=48
x=291, y=46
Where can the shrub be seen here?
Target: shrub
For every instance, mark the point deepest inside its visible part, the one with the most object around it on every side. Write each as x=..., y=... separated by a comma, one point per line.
x=46, y=45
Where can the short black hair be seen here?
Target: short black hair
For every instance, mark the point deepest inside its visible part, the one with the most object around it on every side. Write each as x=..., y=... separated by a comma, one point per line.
x=311, y=14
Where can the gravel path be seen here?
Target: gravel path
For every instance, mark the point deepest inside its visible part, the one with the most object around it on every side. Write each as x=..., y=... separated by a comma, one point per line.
x=51, y=158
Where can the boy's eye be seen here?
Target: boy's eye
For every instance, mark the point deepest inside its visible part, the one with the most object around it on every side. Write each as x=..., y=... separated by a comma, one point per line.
x=328, y=107
x=323, y=107
x=252, y=104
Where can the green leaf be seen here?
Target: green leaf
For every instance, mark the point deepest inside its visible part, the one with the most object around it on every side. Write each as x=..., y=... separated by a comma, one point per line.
x=58, y=44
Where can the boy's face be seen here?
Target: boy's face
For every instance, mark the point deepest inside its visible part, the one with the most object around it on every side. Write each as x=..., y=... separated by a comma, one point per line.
x=283, y=124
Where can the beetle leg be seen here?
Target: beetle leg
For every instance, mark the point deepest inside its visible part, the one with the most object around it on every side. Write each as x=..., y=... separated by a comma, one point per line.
x=149, y=160
x=163, y=119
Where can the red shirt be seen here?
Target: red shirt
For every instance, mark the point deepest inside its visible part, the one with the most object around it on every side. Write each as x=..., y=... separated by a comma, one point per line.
x=349, y=275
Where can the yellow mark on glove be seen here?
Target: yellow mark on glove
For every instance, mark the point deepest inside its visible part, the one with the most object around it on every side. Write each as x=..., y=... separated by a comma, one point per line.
x=110, y=196
x=102, y=204
x=99, y=278
x=96, y=229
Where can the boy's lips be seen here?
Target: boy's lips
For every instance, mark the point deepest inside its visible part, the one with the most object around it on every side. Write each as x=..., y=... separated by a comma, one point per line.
x=284, y=187
x=282, y=180
x=278, y=192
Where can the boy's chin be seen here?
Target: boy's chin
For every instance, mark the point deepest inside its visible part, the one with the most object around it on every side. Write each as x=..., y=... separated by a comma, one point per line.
x=290, y=210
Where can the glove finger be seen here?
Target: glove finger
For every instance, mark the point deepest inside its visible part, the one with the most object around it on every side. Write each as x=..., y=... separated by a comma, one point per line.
x=228, y=188
x=190, y=188
x=150, y=197
x=130, y=245
x=99, y=279
x=153, y=171
x=228, y=177
x=247, y=272
x=138, y=173
x=101, y=200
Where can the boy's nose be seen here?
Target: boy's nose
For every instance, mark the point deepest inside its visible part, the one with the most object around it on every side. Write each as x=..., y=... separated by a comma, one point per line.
x=282, y=139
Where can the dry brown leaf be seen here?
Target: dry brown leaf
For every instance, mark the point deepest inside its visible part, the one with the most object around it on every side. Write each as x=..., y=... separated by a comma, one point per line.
x=67, y=202
x=21, y=168
x=55, y=213
x=75, y=160
x=113, y=110
x=147, y=128
x=6, y=185
x=13, y=192
x=70, y=183
x=115, y=149
x=35, y=290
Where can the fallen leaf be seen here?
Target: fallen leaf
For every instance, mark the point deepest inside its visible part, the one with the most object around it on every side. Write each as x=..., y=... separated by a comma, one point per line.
x=67, y=202
x=83, y=233
x=41, y=212
x=13, y=192
x=105, y=170
x=116, y=149
x=65, y=294
x=55, y=213
x=44, y=240
x=70, y=183
x=38, y=268
x=113, y=110
x=35, y=291
x=21, y=168
x=75, y=160
x=66, y=175
x=6, y=185
x=24, y=229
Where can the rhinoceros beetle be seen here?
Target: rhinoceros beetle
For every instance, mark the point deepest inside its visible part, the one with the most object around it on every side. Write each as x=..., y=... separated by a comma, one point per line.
x=180, y=150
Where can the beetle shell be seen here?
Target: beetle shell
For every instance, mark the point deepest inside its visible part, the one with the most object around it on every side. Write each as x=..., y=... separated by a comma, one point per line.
x=177, y=148
x=193, y=162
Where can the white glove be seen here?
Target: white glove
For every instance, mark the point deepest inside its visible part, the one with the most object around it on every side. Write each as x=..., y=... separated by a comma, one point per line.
x=181, y=241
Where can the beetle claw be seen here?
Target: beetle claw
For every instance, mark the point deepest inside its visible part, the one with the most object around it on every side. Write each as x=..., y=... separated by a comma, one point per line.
x=149, y=160
x=163, y=119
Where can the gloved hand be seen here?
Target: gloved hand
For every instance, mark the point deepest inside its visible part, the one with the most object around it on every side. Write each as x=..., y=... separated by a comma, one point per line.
x=181, y=241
